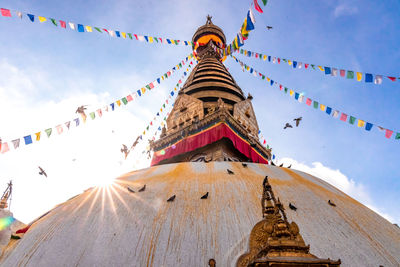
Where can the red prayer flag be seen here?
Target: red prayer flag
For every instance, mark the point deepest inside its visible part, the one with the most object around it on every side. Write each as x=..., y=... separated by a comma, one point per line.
x=105, y=30
x=5, y=12
x=264, y=142
x=63, y=24
x=280, y=87
x=135, y=36
x=151, y=85
x=343, y=117
x=306, y=65
x=279, y=60
x=308, y=101
x=388, y=133
x=129, y=98
x=257, y=7
x=342, y=73
x=23, y=230
x=393, y=79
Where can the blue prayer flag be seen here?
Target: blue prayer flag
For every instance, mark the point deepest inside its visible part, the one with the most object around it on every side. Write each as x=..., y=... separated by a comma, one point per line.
x=169, y=41
x=327, y=70
x=174, y=68
x=273, y=156
x=269, y=58
x=184, y=73
x=139, y=93
x=31, y=17
x=250, y=25
x=158, y=80
x=117, y=33
x=328, y=110
x=112, y=106
x=159, y=128
x=251, y=70
x=172, y=93
x=76, y=122
x=368, y=126
x=80, y=28
x=158, y=113
x=294, y=64
x=259, y=131
x=28, y=140
x=296, y=96
x=147, y=38
x=272, y=82
x=368, y=78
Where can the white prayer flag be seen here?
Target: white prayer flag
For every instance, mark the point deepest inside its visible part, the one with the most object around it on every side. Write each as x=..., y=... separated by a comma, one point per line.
x=335, y=113
x=19, y=14
x=378, y=79
x=72, y=25
x=334, y=72
x=299, y=65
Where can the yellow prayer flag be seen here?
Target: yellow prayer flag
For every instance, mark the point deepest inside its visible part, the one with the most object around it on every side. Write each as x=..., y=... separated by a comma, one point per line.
x=144, y=132
x=161, y=109
x=119, y=103
x=123, y=34
x=322, y=107
x=143, y=90
x=175, y=89
x=268, y=79
x=321, y=68
x=289, y=62
x=42, y=19
x=359, y=76
x=88, y=28
x=162, y=77
x=360, y=123
x=37, y=136
x=83, y=117
x=150, y=39
x=291, y=92
x=265, y=57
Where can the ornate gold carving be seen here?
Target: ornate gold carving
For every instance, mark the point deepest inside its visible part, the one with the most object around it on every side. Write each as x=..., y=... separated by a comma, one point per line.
x=273, y=241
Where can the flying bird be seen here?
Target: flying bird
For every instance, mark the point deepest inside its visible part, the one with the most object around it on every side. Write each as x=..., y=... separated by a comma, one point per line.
x=81, y=109
x=272, y=163
x=297, y=120
x=281, y=165
x=269, y=28
x=204, y=196
x=142, y=189
x=42, y=172
x=130, y=190
x=171, y=198
x=135, y=143
x=125, y=150
x=331, y=203
x=244, y=165
x=292, y=207
x=229, y=171
x=287, y=125
x=289, y=166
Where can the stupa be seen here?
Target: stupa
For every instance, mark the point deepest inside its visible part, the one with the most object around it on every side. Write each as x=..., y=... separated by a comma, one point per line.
x=199, y=202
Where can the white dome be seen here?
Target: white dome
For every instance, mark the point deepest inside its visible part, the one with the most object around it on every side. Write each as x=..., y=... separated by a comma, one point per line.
x=113, y=227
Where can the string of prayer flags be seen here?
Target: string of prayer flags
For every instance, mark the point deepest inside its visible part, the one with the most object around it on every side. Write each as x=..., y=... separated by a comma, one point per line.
x=328, y=110
x=86, y=28
x=331, y=71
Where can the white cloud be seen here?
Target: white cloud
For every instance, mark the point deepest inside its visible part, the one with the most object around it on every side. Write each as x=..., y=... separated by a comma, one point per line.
x=345, y=10
x=340, y=181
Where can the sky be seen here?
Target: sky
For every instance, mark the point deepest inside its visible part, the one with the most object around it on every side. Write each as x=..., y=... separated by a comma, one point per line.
x=46, y=72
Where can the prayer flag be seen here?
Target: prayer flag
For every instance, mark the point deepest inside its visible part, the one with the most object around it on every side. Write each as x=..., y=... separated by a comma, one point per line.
x=129, y=98
x=80, y=28
x=296, y=96
x=343, y=117
x=294, y=64
x=117, y=33
x=31, y=17
x=28, y=139
x=257, y=7
x=322, y=107
x=306, y=65
x=92, y=115
x=321, y=68
x=112, y=33
x=123, y=35
x=63, y=24
x=112, y=106
x=59, y=129
x=54, y=21
x=99, y=112
x=265, y=2
x=388, y=133
x=378, y=79
x=342, y=73
x=88, y=28
x=48, y=131
x=37, y=136
x=368, y=126
x=98, y=29
x=350, y=74
x=118, y=102
x=359, y=76
x=4, y=147
x=124, y=100
x=315, y=104
x=72, y=25
x=397, y=136
x=334, y=72
x=393, y=79
x=138, y=91
x=42, y=19
x=15, y=143
x=5, y=12
x=327, y=70
x=130, y=36
x=308, y=101
x=328, y=110
x=352, y=120
x=301, y=98
x=368, y=78
x=335, y=113
x=250, y=25
x=299, y=65
x=19, y=14
x=360, y=123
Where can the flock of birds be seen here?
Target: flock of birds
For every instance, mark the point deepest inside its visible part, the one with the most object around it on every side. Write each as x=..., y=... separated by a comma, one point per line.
x=297, y=120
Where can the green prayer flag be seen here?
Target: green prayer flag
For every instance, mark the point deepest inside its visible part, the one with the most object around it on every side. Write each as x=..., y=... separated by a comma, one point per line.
x=148, y=87
x=124, y=100
x=352, y=120
x=315, y=104
x=130, y=35
x=397, y=136
x=260, y=56
x=166, y=76
x=165, y=118
x=284, y=59
x=241, y=51
x=313, y=66
x=147, y=128
x=92, y=115
x=180, y=65
x=155, y=39
x=286, y=90
x=48, y=131
x=350, y=74
x=163, y=105
x=97, y=29
x=54, y=21
x=263, y=77
x=265, y=2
